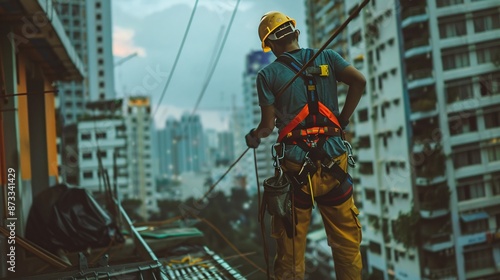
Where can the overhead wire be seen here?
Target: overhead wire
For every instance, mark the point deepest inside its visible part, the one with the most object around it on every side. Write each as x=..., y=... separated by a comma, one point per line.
x=210, y=74
x=176, y=59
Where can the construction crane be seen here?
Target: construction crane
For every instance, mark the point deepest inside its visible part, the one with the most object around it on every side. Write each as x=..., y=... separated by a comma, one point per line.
x=125, y=59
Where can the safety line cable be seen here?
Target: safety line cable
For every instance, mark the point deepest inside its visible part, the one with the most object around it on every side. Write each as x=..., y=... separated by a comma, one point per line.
x=223, y=175
x=229, y=243
x=176, y=58
x=207, y=81
x=334, y=35
x=212, y=187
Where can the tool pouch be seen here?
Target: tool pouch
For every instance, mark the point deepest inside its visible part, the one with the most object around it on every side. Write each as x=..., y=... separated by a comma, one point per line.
x=277, y=196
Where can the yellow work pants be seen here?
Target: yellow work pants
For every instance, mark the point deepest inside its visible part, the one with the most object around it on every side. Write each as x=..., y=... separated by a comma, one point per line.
x=342, y=228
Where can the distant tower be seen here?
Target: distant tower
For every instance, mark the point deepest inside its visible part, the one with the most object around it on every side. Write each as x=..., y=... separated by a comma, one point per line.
x=140, y=170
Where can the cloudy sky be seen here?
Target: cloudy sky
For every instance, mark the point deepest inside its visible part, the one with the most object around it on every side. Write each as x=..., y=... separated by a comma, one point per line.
x=154, y=30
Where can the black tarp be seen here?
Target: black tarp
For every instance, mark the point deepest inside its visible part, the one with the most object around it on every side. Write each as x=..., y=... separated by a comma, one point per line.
x=68, y=218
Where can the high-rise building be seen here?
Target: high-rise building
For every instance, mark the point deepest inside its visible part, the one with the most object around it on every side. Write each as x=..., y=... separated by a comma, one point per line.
x=140, y=170
x=96, y=149
x=183, y=143
x=255, y=61
x=225, y=147
x=168, y=155
x=426, y=135
x=88, y=26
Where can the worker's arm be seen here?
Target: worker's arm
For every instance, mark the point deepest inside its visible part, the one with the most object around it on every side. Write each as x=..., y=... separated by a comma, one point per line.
x=356, y=82
x=267, y=122
x=264, y=129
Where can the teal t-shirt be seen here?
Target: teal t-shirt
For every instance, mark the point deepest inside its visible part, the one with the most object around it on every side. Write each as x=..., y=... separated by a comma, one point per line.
x=274, y=76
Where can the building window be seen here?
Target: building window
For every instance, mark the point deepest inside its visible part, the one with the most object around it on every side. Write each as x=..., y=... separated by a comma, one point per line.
x=476, y=226
x=465, y=155
x=103, y=154
x=370, y=195
x=445, y=3
x=486, y=20
x=470, y=188
x=88, y=175
x=375, y=248
x=458, y=90
x=364, y=142
x=98, y=16
x=452, y=26
x=100, y=61
x=366, y=168
x=479, y=259
x=490, y=84
x=98, y=5
x=493, y=151
x=87, y=155
x=491, y=117
x=100, y=135
x=463, y=122
x=488, y=52
x=85, y=136
x=99, y=39
x=99, y=50
x=99, y=27
x=356, y=37
x=101, y=84
x=363, y=115
x=455, y=58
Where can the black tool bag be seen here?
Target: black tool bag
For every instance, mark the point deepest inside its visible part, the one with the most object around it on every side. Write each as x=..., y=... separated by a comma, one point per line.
x=277, y=196
x=70, y=219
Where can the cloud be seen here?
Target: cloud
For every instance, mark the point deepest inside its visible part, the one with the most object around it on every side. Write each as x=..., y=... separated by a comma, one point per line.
x=144, y=8
x=123, y=43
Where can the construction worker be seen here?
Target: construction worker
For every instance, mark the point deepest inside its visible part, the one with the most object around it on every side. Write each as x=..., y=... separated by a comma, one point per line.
x=311, y=130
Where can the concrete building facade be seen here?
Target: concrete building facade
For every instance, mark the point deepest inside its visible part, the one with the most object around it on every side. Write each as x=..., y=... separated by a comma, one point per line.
x=426, y=137
x=88, y=26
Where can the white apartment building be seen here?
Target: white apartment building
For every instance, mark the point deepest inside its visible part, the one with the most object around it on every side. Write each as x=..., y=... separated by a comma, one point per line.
x=427, y=134
x=88, y=25
x=100, y=135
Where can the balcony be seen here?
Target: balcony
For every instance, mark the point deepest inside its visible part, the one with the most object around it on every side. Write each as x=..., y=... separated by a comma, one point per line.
x=418, y=46
x=421, y=77
x=449, y=273
x=413, y=15
x=427, y=211
x=438, y=242
x=435, y=202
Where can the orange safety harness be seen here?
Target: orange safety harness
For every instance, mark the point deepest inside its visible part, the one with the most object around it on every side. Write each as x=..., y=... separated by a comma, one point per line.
x=315, y=122
x=309, y=130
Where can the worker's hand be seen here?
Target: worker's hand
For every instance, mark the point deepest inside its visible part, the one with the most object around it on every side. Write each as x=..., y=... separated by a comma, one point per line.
x=343, y=123
x=251, y=140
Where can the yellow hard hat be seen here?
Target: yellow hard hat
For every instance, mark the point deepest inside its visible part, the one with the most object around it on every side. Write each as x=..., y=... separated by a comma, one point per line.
x=269, y=22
